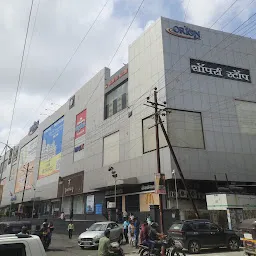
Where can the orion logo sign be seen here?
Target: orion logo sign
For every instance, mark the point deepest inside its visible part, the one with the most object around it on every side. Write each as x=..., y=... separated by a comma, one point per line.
x=184, y=32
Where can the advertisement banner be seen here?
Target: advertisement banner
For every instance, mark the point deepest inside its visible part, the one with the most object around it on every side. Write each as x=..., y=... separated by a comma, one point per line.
x=160, y=183
x=90, y=204
x=51, y=149
x=80, y=131
x=27, y=157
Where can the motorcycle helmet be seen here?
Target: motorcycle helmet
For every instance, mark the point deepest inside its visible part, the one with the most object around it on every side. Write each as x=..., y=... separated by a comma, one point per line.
x=154, y=225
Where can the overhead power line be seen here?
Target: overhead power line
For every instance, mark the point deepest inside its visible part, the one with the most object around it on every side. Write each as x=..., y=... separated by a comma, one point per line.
x=20, y=72
x=111, y=60
x=224, y=13
x=71, y=57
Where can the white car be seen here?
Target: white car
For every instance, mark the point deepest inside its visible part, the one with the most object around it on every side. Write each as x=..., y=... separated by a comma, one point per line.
x=91, y=237
x=25, y=245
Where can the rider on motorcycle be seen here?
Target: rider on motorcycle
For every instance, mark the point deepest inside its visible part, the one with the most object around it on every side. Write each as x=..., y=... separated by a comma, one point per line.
x=154, y=236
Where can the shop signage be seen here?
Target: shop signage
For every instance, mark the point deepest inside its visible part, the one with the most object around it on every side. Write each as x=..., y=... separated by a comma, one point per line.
x=71, y=185
x=147, y=187
x=117, y=77
x=33, y=128
x=112, y=192
x=218, y=70
x=184, y=194
x=184, y=32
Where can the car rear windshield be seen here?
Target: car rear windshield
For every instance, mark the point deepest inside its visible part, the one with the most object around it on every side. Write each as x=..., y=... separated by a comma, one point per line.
x=176, y=226
x=97, y=227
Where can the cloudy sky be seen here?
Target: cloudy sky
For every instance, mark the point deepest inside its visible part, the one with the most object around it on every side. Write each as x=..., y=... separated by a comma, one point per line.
x=57, y=27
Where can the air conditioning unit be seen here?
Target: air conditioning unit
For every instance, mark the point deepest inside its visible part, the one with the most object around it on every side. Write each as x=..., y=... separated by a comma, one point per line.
x=193, y=193
x=111, y=205
x=183, y=193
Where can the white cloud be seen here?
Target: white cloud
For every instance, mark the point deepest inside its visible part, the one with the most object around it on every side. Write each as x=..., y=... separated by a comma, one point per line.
x=59, y=27
x=205, y=13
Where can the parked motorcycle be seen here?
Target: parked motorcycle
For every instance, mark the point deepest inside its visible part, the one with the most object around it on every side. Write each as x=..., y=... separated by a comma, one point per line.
x=168, y=247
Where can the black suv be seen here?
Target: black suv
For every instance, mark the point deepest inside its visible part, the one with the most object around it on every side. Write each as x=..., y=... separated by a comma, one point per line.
x=197, y=234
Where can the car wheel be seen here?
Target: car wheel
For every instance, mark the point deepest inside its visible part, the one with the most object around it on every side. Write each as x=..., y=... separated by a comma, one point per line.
x=120, y=240
x=233, y=244
x=82, y=247
x=194, y=247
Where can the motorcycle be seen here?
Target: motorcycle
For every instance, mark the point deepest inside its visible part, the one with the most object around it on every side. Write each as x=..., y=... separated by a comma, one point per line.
x=116, y=249
x=46, y=240
x=168, y=247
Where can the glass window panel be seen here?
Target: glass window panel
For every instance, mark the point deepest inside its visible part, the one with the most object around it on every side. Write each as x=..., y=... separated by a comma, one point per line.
x=185, y=129
x=246, y=114
x=115, y=106
x=124, y=101
x=111, y=149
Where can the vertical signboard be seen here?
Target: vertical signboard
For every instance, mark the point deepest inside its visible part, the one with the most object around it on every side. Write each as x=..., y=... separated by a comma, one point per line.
x=80, y=131
x=160, y=183
x=27, y=157
x=90, y=204
x=51, y=149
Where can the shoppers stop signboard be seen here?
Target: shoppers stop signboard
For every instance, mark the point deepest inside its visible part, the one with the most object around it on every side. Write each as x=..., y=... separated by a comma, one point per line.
x=71, y=185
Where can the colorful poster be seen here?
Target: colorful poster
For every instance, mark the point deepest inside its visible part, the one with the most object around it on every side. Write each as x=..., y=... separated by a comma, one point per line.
x=160, y=183
x=90, y=204
x=51, y=149
x=26, y=161
x=80, y=124
x=98, y=209
x=148, y=199
x=80, y=131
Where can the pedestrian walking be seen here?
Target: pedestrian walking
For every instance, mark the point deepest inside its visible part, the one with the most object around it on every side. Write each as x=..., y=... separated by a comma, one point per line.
x=136, y=231
x=131, y=229
x=71, y=228
x=125, y=228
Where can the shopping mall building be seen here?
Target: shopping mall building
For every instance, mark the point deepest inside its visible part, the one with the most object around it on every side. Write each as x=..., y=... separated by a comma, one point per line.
x=206, y=77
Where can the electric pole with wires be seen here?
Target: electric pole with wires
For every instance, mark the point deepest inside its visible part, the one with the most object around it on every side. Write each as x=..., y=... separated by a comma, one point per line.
x=161, y=109
x=27, y=170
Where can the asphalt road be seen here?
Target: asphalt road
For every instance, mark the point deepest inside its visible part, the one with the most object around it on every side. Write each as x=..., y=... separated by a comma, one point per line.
x=62, y=246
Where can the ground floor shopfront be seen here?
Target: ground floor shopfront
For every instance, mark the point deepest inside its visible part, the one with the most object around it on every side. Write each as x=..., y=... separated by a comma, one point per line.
x=132, y=198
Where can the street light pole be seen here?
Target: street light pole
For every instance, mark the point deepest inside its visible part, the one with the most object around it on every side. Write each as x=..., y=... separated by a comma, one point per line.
x=33, y=208
x=115, y=192
x=176, y=190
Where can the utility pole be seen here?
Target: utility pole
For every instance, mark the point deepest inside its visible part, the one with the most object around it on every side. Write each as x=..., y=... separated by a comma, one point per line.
x=158, y=120
x=158, y=156
x=24, y=188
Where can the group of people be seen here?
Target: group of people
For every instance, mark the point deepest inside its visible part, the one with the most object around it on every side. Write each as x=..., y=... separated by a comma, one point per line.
x=133, y=230
x=44, y=230
x=146, y=233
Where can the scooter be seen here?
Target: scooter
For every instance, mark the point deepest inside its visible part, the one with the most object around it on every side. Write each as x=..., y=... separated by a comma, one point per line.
x=169, y=247
x=116, y=248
